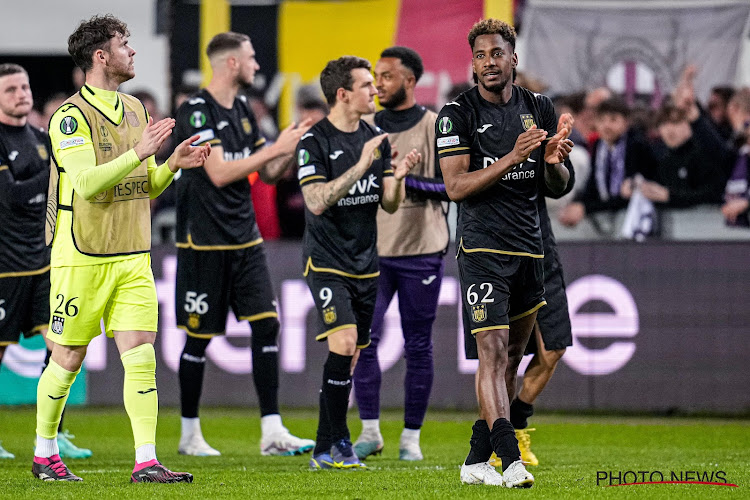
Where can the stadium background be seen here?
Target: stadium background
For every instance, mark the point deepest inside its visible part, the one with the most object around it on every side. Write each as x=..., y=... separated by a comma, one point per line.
x=658, y=327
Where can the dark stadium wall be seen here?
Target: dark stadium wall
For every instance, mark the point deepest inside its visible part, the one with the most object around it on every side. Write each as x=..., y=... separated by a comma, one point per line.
x=259, y=22
x=658, y=327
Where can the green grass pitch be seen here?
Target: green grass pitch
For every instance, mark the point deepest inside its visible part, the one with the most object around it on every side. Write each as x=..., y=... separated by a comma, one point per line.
x=571, y=450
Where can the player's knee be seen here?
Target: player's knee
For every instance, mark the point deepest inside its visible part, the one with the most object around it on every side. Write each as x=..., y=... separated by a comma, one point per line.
x=343, y=342
x=265, y=334
x=195, y=349
x=549, y=359
x=556, y=355
x=140, y=358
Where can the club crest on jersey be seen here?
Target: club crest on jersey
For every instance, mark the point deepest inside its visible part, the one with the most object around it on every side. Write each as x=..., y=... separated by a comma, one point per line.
x=68, y=125
x=42, y=152
x=445, y=126
x=132, y=119
x=246, y=125
x=478, y=313
x=303, y=157
x=527, y=121
x=194, y=321
x=329, y=315
x=197, y=119
x=377, y=154
x=57, y=324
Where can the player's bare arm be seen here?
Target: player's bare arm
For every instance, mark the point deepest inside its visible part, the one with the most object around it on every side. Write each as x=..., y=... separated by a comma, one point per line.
x=223, y=172
x=187, y=156
x=318, y=197
x=460, y=183
x=556, y=150
x=394, y=190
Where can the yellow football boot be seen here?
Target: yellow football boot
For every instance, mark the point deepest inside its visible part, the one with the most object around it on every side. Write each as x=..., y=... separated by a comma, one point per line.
x=524, y=444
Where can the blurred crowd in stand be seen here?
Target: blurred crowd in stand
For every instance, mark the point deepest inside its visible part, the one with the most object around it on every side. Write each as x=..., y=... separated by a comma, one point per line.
x=633, y=158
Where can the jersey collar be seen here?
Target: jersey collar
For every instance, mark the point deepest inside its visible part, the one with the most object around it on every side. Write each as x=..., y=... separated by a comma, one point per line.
x=107, y=102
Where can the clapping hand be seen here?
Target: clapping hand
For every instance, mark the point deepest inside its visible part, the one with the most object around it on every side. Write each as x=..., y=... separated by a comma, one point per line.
x=153, y=137
x=187, y=156
x=559, y=146
x=401, y=168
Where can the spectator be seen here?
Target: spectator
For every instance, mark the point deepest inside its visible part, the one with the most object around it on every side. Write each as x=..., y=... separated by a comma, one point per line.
x=738, y=113
x=585, y=122
x=619, y=153
x=687, y=174
x=717, y=109
x=736, y=194
x=737, y=191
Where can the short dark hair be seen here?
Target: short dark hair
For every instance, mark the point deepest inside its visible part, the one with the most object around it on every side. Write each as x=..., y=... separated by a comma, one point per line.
x=575, y=101
x=409, y=58
x=338, y=75
x=493, y=27
x=725, y=92
x=11, y=69
x=224, y=42
x=92, y=35
x=670, y=113
x=613, y=105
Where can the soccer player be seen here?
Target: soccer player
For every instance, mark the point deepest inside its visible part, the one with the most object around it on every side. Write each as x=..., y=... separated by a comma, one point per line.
x=411, y=244
x=552, y=330
x=221, y=262
x=489, y=144
x=99, y=223
x=24, y=258
x=346, y=172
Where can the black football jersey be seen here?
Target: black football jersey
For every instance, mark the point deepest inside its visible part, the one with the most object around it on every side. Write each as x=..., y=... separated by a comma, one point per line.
x=24, y=177
x=504, y=217
x=209, y=215
x=344, y=237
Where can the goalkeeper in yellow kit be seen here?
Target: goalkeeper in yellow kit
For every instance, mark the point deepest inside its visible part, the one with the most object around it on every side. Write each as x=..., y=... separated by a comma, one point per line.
x=99, y=223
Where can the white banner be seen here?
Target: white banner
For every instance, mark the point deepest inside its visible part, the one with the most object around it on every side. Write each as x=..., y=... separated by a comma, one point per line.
x=575, y=45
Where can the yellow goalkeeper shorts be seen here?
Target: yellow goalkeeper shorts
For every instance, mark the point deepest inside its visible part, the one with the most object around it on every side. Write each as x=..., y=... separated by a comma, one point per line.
x=121, y=293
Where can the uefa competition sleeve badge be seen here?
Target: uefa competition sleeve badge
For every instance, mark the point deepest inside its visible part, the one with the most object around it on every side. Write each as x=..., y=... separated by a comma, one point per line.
x=68, y=125
x=446, y=125
x=303, y=157
x=197, y=119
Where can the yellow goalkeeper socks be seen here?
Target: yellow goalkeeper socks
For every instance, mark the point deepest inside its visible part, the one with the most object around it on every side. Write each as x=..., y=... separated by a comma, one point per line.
x=51, y=395
x=139, y=393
